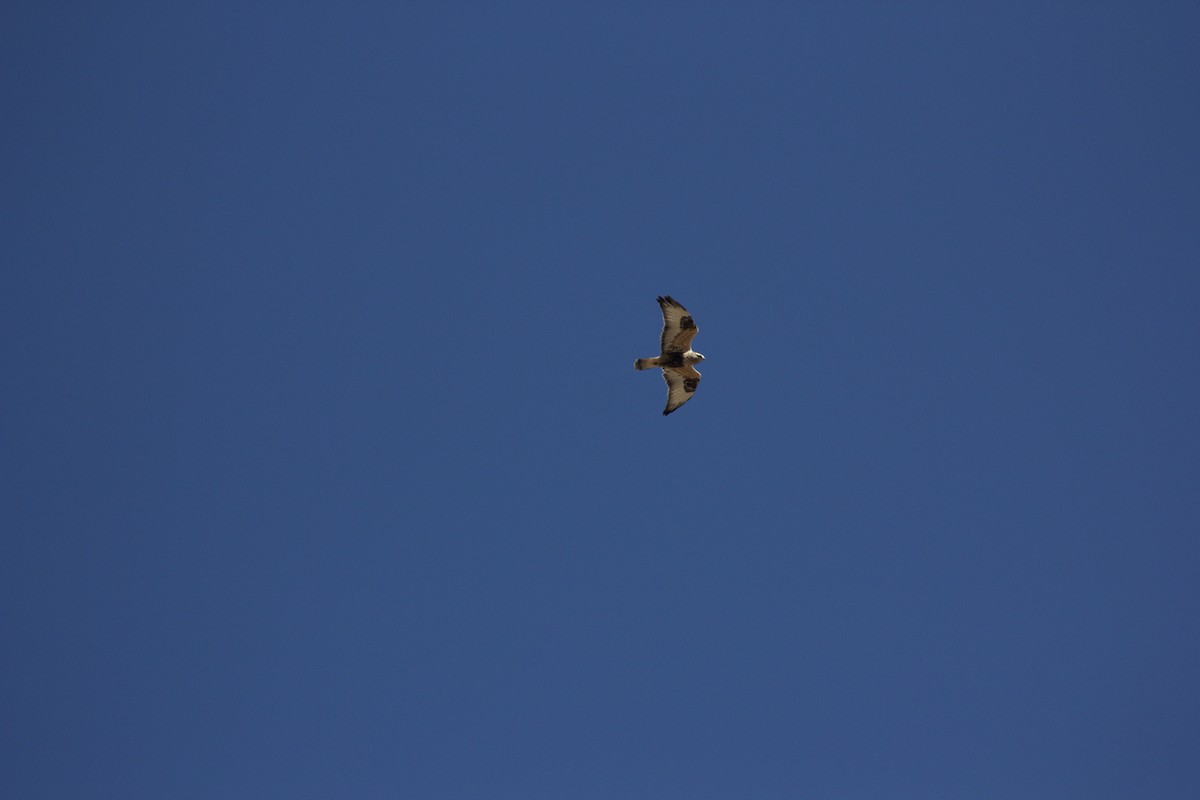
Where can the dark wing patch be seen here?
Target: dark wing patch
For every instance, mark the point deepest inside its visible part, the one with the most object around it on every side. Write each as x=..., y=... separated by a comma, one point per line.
x=681, y=385
x=678, y=326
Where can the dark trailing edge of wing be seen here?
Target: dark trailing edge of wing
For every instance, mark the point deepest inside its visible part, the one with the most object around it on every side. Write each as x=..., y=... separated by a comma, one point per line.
x=683, y=323
x=689, y=387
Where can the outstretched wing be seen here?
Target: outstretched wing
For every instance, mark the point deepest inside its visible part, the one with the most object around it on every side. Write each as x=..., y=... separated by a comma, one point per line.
x=681, y=385
x=678, y=326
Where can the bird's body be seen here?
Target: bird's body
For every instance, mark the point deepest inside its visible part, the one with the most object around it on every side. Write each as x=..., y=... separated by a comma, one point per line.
x=677, y=359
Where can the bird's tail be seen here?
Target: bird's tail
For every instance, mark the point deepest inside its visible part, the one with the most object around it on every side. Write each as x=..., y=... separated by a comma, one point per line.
x=645, y=363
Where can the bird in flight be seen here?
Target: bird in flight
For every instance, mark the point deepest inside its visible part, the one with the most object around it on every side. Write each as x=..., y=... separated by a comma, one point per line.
x=677, y=359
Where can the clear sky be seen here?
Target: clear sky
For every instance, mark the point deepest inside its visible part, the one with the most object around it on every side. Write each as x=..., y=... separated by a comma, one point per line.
x=327, y=473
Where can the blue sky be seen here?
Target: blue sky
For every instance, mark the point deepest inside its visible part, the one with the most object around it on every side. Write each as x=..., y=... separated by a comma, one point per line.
x=326, y=471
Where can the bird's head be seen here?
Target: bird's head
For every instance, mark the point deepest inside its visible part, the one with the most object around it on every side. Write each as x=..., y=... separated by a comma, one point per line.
x=697, y=356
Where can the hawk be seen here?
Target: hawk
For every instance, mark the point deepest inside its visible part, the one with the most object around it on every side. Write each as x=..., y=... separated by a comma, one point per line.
x=677, y=359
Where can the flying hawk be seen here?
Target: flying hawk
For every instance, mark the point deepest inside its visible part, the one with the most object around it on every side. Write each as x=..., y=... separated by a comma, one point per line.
x=677, y=360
